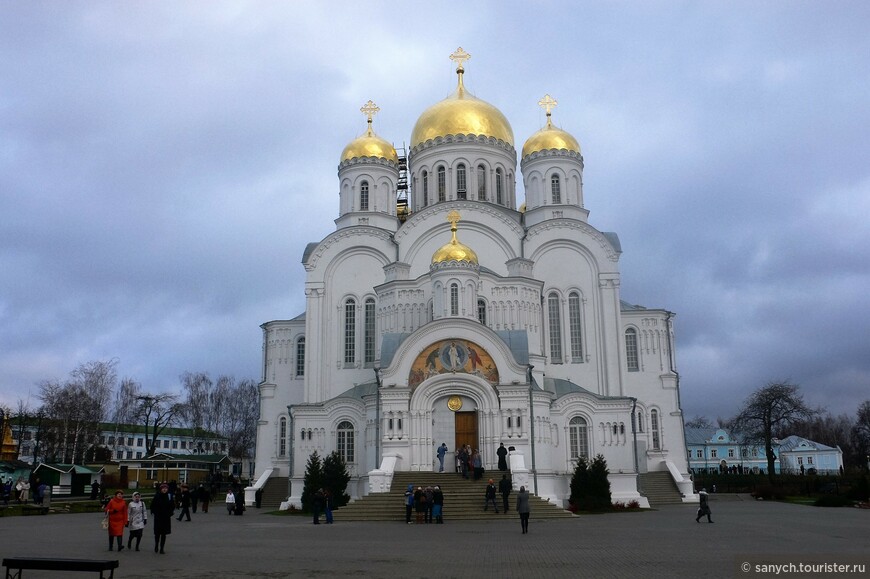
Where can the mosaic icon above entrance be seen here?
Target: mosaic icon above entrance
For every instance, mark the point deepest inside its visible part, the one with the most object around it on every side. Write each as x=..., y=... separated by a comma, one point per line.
x=453, y=356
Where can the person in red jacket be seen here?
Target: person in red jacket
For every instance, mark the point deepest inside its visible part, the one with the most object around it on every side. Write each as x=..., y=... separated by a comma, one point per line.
x=116, y=512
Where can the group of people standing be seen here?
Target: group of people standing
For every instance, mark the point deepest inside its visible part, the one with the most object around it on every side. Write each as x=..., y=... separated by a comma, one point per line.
x=428, y=504
x=469, y=460
x=20, y=490
x=134, y=516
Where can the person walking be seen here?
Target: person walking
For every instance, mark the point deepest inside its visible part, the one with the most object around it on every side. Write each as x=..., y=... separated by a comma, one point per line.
x=184, y=501
x=438, y=505
x=137, y=518
x=442, y=450
x=409, y=503
x=523, y=508
x=490, y=497
x=317, y=505
x=162, y=509
x=477, y=464
x=704, y=508
x=116, y=512
x=502, y=457
x=504, y=488
x=204, y=495
x=230, y=501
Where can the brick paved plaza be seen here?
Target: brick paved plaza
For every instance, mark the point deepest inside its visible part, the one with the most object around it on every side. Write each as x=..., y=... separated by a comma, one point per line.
x=663, y=543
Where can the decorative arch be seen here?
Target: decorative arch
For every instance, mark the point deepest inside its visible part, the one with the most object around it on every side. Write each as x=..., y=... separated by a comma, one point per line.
x=442, y=385
x=453, y=356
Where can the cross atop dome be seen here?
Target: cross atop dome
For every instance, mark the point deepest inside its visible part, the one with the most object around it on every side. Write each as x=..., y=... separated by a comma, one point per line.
x=459, y=57
x=370, y=109
x=453, y=219
x=547, y=103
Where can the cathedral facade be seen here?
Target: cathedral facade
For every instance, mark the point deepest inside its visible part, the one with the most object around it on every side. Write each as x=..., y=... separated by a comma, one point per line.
x=440, y=311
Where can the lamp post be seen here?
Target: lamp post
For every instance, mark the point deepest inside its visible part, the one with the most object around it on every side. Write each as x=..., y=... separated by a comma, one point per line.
x=377, y=369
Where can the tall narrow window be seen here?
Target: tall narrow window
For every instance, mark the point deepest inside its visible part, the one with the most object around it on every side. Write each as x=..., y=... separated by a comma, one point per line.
x=481, y=311
x=460, y=181
x=555, y=319
x=575, y=327
x=454, y=299
x=300, y=356
x=364, y=196
x=425, y=188
x=654, y=427
x=442, y=184
x=640, y=421
x=369, y=331
x=578, y=437
x=282, y=437
x=631, y=350
x=499, y=187
x=350, y=331
x=344, y=441
x=481, y=183
x=556, y=189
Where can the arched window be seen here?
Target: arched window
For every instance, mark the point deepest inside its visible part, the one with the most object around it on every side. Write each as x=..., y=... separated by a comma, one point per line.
x=425, y=188
x=369, y=328
x=555, y=318
x=640, y=421
x=454, y=299
x=282, y=437
x=499, y=187
x=350, y=331
x=460, y=181
x=654, y=427
x=556, y=189
x=442, y=184
x=575, y=327
x=481, y=311
x=631, y=350
x=344, y=441
x=481, y=183
x=578, y=437
x=300, y=356
x=364, y=196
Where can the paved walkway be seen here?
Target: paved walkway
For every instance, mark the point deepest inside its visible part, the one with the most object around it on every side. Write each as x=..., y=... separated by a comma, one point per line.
x=663, y=543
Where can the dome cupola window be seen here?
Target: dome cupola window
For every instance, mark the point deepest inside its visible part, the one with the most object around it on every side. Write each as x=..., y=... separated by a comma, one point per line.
x=481, y=183
x=461, y=190
x=556, y=189
x=442, y=184
x=364, y=196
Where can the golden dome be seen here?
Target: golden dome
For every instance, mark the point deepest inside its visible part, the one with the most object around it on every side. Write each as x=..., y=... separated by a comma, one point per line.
x=454, y=251
x=461, y=114
x=550, y=137
x=369, y=144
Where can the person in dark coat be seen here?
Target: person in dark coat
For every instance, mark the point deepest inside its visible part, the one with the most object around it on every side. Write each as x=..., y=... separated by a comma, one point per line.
x=523, y=508
x=204, y=495
x=438, y=505
x=704, y=509
x=490, y=496
x=409, y=503
x=184, y=500
x=504, y=487
x=240, y=501
x=317, y=505
x=162, y=509
x=95, y=490
x=502, y=457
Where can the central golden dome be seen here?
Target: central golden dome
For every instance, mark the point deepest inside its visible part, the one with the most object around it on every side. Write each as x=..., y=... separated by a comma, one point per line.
x=454, y=250
x=461, y=113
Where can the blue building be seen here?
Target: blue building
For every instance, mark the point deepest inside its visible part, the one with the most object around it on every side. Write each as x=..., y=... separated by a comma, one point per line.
x=799, y=455
x=715, y=450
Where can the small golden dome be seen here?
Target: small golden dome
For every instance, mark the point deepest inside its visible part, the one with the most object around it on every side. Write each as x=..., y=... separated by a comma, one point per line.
x=454, y=251
x=550, y=137
x=369, y=144
x=461, y=114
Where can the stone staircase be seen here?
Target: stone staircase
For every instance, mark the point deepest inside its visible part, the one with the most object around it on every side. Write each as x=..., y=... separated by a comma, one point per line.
x=463, y=500
x=659, y=488
x=274, y=492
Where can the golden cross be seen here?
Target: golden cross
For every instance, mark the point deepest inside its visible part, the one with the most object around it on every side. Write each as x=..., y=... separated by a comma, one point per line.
x=547, y=103
x=453, y=218
x=369, y=109
x=459, y=57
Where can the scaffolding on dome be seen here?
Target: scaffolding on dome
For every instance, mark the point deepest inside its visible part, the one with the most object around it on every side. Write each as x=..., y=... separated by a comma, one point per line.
x=402, y=209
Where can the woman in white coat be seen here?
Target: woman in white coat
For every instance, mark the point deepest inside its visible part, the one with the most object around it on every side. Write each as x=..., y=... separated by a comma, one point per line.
x=137, y=518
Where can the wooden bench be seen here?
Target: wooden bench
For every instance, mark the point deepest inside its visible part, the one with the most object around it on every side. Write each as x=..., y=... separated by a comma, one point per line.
x=18, y=564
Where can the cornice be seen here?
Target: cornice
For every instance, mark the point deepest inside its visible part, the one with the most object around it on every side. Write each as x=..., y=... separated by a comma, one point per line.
x=474, y=139
x=549, y=154
x=368, y=161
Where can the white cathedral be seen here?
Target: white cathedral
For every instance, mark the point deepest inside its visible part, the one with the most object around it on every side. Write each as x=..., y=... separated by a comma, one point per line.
x=441, y=311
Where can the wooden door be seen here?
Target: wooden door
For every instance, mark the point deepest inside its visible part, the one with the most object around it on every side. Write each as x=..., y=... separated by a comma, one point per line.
x=466, y=429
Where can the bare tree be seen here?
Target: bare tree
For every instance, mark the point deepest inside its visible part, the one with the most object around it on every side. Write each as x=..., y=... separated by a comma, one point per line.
x=199, y=413
x=157, y=412
x=767, y=411
x=699, y=422
x=861, y=432
x=240, y=427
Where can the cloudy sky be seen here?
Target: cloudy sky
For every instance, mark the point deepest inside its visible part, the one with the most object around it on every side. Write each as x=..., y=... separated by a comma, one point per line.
x=163, y=164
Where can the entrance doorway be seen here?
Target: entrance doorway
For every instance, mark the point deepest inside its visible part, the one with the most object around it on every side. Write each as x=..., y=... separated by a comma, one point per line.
x=466, y=429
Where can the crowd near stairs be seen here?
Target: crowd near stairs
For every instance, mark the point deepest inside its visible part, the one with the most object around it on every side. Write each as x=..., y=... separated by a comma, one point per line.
x=659, y=488
x=463, y=500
